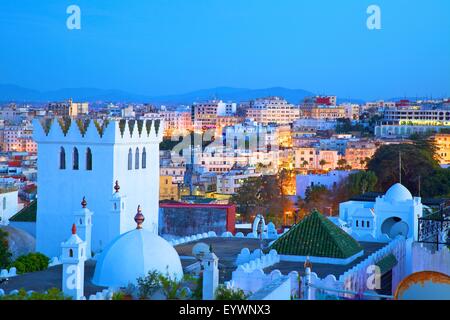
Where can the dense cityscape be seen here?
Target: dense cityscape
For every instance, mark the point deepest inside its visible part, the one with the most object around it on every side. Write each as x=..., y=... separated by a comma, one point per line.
x=228, y=168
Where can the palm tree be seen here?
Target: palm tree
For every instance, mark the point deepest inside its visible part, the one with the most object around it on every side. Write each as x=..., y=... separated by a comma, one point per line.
x=322, y=163
x=342, y=163
x=304, y=163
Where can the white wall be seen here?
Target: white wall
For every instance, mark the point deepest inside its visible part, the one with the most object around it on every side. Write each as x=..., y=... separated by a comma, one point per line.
x=8, y=205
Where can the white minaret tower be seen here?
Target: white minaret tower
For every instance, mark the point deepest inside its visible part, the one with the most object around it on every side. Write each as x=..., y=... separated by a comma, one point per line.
x=210, y=264
x=73, y=258
x=83, y=222
x=77, y=158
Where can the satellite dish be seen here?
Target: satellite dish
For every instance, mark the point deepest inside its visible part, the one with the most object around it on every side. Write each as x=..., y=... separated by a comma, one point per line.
x=399, y=228
x=200, y=249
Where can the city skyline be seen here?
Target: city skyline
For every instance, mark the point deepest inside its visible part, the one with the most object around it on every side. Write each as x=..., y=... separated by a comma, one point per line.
x=162, y=48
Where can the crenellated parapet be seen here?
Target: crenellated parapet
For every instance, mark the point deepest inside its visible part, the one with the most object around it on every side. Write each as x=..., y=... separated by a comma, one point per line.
x=59, y=129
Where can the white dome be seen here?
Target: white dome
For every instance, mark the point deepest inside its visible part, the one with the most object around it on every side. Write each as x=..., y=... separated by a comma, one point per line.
x=132, y=255
x=398, y=192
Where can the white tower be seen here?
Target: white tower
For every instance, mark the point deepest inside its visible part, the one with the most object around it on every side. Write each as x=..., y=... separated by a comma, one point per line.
x=118, y=202
x=73, y=258
x=83, y=222
x=79, y=158
x=210, y=264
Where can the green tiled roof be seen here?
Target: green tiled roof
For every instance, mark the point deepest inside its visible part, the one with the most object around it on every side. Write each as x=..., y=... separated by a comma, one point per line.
x=317, y=236
x=27, y=214
x=387, y=263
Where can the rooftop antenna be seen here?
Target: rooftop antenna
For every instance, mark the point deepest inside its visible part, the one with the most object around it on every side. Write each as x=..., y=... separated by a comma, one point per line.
x=400, y=166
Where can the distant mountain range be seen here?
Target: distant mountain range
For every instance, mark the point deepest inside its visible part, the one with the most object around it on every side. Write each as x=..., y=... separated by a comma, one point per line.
x=13, y=93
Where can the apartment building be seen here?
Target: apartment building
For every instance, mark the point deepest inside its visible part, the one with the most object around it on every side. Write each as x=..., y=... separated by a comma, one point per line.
x=68, y=108
x=230, y=182
x=272, y=110
x=358, y=152
x=324, y=112
x=206, y=113
x=176, y=123
x=442, y=143
x=313, y=158
x=17, y=138
x=418, y=115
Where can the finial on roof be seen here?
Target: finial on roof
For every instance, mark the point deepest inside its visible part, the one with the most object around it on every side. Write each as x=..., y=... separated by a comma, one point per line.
x=139, y=217
x=307, y=263
x=116, y=186
x=74, y=229
x=83, y=203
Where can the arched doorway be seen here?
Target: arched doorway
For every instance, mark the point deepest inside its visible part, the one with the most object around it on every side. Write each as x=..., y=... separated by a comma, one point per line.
x=394, y=226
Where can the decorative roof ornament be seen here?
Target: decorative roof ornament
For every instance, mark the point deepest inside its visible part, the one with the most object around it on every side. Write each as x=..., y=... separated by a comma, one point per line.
x=116, y=186
x=307, y=263
x=139, y=217
x=83, y=203
x=74, y=229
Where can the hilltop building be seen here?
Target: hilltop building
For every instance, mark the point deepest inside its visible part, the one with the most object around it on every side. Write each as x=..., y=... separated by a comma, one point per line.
x=395, y=213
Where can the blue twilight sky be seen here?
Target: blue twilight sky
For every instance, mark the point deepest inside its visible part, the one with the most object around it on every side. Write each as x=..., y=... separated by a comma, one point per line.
x=173, y=46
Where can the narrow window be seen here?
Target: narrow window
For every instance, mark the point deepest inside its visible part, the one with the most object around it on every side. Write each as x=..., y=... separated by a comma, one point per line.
x=75, y=159
x=357, y=223
x=88, y=159
x=136, y=159
x=62, y=159
x=362, y=223
x=70, y=253
x=144, y=159
x=130, y=159
x=368, y=224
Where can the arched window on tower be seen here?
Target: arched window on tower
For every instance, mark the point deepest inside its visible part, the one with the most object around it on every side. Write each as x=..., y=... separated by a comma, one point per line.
x=75, y=159
x=88, y=159
x=136, y=159
x=130, y=159
x=62, y=159
x=70, y=253
x=144, y=159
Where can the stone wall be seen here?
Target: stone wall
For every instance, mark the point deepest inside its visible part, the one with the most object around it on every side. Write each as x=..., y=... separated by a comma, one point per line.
x=185, y=221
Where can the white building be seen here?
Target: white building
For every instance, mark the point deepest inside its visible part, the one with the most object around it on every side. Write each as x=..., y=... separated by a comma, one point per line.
x=76, y=161
x=395, y=213
x=273, y=110
x=128, y=112
x=230, y=182
x=8, y=204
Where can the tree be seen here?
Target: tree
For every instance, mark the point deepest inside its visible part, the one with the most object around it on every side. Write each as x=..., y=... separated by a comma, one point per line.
x=50, y=294
x=361, y=182
x=248, y=197
x=34, y=261
x=317, y=197
x=223, y=293
x=438, y=184
x=5, y=254
x=263, y=195
x=418, y=163
x=342, y=163
x=322, y=163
